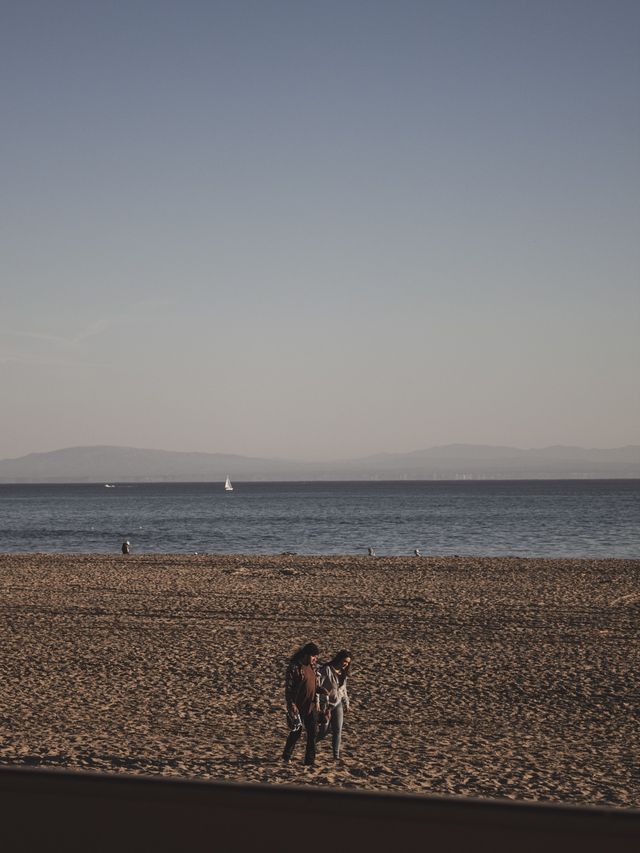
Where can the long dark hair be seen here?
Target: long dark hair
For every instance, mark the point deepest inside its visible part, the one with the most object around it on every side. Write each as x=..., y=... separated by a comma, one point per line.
x=303, y=651
x=335, y=662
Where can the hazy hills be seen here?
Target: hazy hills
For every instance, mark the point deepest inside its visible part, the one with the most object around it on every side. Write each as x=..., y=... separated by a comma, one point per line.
x=454, y=461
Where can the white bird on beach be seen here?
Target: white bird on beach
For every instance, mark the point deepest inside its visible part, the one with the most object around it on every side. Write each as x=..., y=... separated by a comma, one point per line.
x=418, y=552
x=371, y=552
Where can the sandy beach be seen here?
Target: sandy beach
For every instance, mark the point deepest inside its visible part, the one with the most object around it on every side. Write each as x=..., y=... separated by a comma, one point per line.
x=472, y=676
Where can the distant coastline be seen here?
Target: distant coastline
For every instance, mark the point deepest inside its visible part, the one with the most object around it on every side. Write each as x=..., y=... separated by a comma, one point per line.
x=328, y=480
x=107, y=464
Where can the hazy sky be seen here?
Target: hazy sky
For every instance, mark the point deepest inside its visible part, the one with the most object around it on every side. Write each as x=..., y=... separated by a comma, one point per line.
x=319, y=229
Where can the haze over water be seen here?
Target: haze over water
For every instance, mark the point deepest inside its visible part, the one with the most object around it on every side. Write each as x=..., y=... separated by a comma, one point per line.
x=596, y=518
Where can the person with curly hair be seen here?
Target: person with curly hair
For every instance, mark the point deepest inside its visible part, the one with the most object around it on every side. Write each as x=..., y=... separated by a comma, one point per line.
x=301, y=688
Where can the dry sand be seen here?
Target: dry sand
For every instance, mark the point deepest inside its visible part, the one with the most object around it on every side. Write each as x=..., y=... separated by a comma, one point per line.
x=477, y=677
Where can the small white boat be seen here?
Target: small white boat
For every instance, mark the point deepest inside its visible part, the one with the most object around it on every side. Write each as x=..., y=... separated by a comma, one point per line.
x=227, y=485
x=109, y=486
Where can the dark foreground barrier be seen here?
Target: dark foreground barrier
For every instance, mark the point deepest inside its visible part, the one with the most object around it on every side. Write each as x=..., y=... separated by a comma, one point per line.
x=57, y=810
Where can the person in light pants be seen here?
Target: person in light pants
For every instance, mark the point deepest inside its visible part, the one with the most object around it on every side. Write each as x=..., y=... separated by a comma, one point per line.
x=334, y=699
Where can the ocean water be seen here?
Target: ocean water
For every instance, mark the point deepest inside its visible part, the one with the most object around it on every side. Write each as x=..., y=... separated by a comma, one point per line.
x=584, y=518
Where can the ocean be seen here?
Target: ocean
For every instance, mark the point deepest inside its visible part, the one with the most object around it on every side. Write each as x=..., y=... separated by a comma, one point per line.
x=548, y=518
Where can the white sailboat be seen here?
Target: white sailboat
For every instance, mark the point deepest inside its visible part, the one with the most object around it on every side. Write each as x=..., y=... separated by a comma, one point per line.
x=227, y=485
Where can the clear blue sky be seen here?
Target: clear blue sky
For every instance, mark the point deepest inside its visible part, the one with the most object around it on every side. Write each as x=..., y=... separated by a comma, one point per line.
x=319, y=229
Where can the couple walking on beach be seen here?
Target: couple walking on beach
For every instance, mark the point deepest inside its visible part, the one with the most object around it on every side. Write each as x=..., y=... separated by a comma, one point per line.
x=316, y=698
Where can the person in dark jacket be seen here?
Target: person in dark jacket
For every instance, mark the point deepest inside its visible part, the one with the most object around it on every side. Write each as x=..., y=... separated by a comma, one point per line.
x=301, y=687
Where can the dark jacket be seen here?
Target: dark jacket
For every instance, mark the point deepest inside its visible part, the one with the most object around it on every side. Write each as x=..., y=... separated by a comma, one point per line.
x=297, y=687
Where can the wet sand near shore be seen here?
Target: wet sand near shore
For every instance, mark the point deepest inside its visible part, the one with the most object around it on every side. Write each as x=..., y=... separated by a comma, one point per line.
x=472, y=676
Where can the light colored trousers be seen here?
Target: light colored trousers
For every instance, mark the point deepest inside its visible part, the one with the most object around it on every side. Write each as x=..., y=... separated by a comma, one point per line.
x=335, y=723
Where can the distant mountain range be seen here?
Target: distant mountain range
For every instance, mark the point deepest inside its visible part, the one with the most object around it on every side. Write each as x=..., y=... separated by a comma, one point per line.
x=449, y=462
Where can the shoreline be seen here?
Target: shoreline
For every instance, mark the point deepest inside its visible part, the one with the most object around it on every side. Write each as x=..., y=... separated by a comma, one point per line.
x=473, y=676
x=200, y=556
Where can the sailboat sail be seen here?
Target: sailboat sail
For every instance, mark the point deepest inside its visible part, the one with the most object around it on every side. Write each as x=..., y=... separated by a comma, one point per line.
x=227, y=485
